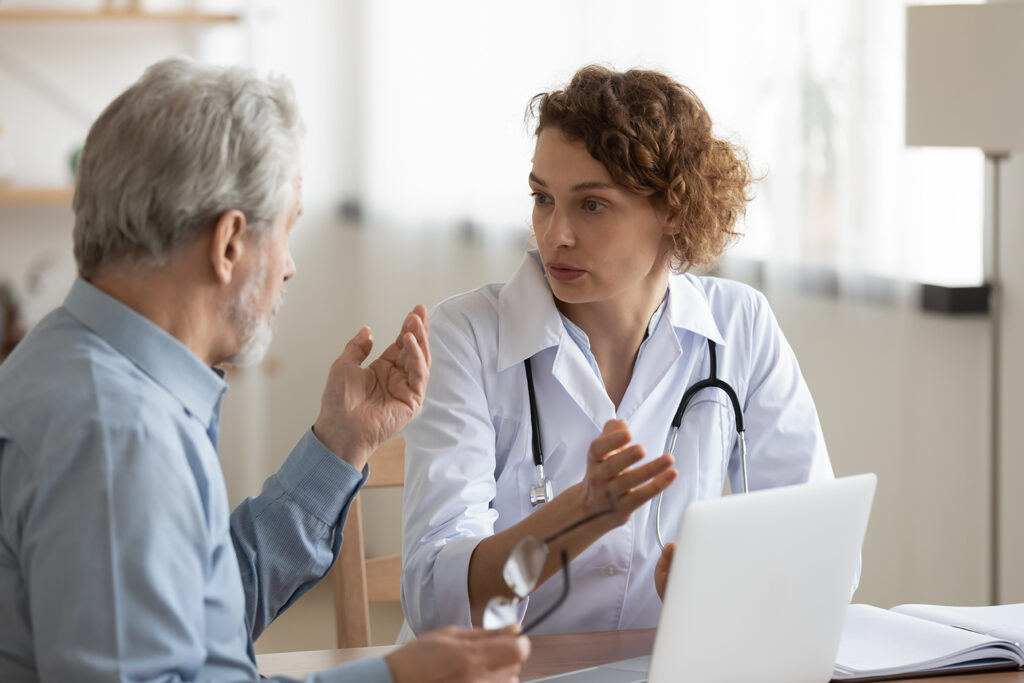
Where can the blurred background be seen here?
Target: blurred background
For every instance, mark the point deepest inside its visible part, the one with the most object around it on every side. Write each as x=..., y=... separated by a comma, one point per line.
x=416, y=160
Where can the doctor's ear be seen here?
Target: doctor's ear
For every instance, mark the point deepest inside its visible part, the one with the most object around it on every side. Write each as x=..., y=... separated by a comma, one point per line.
x=228, y=244
x=668, y=226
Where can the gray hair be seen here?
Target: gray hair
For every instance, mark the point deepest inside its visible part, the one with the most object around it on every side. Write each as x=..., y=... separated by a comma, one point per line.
x=182, y=146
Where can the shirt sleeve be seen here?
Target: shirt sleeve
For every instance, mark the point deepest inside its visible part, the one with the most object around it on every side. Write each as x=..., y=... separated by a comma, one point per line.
x=785, y=444
x=287, y=537
x=449, y=483
x=372, y=670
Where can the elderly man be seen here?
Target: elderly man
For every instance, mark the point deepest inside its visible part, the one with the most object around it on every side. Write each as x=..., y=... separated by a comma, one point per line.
x=119, y=560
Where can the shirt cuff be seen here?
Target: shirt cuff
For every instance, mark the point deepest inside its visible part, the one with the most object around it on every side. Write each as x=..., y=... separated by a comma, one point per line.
x=451, y=581
x=372, y=670
x=318, y=480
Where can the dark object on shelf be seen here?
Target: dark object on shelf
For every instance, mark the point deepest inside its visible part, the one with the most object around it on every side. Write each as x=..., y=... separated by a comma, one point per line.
x=939, y=299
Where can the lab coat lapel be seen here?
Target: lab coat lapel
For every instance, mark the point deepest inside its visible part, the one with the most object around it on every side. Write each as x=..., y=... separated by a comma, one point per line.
x=662, y=351
x=571, y=370
x=686, y=310
x=528, y=323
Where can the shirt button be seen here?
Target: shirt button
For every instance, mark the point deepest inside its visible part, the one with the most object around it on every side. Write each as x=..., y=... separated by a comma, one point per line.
x=610, y=571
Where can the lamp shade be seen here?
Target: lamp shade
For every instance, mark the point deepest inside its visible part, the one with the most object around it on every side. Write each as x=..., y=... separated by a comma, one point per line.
x=965, y=76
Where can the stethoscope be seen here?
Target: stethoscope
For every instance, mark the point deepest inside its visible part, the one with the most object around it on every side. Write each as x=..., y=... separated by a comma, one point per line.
x=544, y=491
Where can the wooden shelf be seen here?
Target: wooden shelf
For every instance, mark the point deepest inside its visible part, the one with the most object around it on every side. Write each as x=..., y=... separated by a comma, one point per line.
x=36, y=196
x=16, y=15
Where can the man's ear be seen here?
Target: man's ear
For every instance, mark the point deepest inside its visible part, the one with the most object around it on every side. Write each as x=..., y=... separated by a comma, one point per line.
x=228, y=244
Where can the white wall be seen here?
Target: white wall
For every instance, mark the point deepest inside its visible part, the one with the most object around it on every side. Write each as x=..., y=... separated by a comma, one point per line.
x=903, y=394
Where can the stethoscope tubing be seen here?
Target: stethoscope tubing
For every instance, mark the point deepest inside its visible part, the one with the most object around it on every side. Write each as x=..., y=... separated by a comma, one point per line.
x=671, y=449
x=544, y=490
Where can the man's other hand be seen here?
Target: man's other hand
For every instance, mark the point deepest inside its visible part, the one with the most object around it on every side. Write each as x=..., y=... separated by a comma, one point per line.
x=461, y=655
x=363, y=407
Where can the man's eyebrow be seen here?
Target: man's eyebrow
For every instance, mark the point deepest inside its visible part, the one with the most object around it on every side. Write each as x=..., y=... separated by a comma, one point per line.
x=534, y=178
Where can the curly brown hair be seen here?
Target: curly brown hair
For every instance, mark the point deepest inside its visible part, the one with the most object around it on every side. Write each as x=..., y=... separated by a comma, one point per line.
x=654, y=137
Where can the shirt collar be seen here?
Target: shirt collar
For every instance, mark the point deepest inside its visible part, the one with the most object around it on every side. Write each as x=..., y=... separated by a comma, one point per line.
x=165, y=359
x=529, y=322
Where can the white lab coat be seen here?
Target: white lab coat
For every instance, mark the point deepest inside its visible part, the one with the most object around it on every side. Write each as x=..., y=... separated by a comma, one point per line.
x=469, y=463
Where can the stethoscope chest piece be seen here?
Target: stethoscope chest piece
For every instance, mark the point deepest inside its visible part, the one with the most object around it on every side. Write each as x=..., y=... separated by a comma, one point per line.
x=543, y=491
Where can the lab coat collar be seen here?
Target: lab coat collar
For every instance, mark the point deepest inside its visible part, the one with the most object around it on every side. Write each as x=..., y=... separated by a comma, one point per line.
x=528, y=321
x=688, y=308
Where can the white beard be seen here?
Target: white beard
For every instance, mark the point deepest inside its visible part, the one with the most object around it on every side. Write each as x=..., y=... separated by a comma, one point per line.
x=243, y=315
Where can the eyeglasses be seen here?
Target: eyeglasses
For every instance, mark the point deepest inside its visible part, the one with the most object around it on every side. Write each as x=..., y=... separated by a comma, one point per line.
x=522, y=571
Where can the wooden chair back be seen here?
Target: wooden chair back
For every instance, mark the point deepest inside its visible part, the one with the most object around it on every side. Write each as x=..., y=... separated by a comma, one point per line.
x=359, y=581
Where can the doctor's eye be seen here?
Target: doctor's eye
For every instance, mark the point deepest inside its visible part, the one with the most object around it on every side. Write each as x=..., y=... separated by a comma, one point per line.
x=540, y=199
x=593, y=206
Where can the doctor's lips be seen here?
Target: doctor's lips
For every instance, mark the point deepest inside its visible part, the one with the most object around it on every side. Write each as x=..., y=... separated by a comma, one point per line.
x=563, y=272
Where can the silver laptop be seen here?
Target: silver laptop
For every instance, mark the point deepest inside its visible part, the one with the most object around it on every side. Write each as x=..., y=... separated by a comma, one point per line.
x=758, y=588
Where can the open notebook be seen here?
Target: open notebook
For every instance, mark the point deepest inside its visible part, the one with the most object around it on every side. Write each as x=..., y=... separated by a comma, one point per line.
x=921, y=640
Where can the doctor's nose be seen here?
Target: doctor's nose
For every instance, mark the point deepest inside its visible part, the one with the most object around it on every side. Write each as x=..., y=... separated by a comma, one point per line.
x=558, y=231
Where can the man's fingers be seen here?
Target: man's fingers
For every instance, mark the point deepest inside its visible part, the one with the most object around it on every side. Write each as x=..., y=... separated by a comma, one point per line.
x=630, y=479
x=503, y=651
x=481, y=633
x=415, y=365
x=358, y=347
x=416, y=322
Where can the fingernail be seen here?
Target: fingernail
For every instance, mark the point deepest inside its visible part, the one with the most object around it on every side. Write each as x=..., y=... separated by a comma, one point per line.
x=523, y=643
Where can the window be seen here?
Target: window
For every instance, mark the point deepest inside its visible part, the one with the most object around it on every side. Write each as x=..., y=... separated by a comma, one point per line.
x=813, y=89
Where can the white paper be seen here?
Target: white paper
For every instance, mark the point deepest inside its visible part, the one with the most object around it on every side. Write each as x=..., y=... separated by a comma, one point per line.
x=881, y=642
x=998, y=621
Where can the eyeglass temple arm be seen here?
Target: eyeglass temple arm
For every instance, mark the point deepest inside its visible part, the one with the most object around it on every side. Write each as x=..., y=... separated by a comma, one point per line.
x=613, y=505
x=557, y=603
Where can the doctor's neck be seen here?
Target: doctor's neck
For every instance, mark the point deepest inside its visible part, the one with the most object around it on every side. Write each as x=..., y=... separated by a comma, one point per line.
x=616, y=326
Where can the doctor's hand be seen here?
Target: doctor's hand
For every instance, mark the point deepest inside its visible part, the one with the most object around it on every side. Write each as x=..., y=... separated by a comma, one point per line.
x=610, y=470
x=662, y=569
x=461, y=655
x=363, y=407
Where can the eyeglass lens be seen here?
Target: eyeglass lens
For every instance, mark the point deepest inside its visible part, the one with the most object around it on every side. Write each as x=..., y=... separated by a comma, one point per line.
x=523, y=569
x=524, y=566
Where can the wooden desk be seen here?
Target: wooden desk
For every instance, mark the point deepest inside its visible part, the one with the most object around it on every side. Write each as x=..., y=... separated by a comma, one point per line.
x=550, y=655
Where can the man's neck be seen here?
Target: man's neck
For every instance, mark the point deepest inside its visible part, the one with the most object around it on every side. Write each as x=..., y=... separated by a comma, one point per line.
x=169, y=299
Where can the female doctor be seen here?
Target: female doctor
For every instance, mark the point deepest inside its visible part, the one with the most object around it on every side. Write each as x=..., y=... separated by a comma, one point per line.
x=631, y=189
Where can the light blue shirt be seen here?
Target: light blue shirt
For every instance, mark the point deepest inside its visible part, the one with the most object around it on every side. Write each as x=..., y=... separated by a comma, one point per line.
x=119, y=560
x=581, y=339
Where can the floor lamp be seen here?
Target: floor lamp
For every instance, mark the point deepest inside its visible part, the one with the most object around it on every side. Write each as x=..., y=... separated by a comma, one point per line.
x=965, y=89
